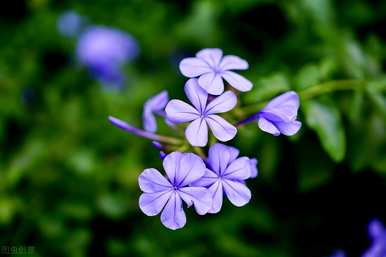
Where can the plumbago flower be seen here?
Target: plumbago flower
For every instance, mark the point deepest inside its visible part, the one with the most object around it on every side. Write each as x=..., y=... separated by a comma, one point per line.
x=279, y=115
x=202, y=114
x=226, y=174
x=166, y=195
x=104, y=51
x=203, y=181
x=212, y=67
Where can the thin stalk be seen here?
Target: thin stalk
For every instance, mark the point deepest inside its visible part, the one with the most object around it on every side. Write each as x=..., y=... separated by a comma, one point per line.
x=142, y=133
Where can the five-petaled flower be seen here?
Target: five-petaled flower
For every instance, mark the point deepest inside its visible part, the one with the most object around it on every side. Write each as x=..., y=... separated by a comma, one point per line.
x=226, y=173
x=166, y=195
x=212, y=67
x=202, y=114
x=279, y=115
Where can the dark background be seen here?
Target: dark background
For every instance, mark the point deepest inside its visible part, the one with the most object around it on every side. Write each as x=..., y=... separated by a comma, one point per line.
x=68, y=179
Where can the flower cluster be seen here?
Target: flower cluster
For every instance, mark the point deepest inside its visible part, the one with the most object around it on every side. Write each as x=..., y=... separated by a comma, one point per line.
x=198, y=179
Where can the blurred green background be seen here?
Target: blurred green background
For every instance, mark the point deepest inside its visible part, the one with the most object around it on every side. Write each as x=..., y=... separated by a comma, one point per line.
x=68, y=179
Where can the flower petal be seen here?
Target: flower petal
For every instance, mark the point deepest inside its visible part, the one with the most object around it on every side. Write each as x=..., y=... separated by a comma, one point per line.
x=191, y=168
x=212, y=83
x=211, y=56
x=284, y=107
x=197, y=96
x=220, y=156
x=152, y=203
x=178, y=111
x=193, y=67
x=289, y=128
x=151, y=181
x=171, y=165
x=173, y=215
x=267, y=126
x=217, y=193
x=239, y=169
x=149, y=121
x=222, y=103
x=232, y=62
x=237, y=81
x=207, y=180
x=221, y=129
x=237, y=193
x=155, y=104
x=200, y=197
x=197, y=133
x=253, y=167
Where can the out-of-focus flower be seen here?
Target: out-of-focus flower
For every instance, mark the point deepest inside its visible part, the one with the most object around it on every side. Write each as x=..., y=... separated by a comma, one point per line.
x=70, y=24
x=166, y=195
x=226, y=174
x=212, y=67
x=155, y=105
x=377, y=234
x=104, y=51
x=202, y=114
x=279, y=115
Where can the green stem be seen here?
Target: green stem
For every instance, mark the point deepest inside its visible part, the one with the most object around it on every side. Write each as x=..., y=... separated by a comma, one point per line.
x=308, y=93
x=199, y=151
x=331, y=86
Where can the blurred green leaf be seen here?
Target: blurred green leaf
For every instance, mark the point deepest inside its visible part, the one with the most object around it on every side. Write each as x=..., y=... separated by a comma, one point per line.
x=324, y=118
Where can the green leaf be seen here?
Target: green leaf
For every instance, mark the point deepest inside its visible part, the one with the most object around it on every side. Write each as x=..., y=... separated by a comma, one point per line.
x=324, y=118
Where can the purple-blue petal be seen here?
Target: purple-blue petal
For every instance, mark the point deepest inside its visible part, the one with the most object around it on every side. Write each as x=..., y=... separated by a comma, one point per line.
x=196, y=95
x=221, y=129
x=197, y=133
x=222, y=103
x=151, y=181
x=283, y=107
x=237, y=81
x=173, y=215
x=237, y=192
x=212, y=83
x=178, y=111
x=200, y=197
x=154, y=105
x=152, y=203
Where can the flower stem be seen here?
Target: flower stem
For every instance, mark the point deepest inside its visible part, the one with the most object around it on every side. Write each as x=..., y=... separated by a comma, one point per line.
x=142, y=133
x=308, y=93
x=330, y=86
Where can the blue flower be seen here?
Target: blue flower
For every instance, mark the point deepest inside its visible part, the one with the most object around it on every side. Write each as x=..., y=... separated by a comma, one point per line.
x=279, y=115
x=70, y=24
x=104, y=51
